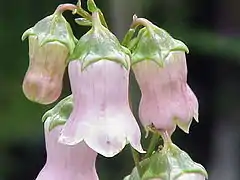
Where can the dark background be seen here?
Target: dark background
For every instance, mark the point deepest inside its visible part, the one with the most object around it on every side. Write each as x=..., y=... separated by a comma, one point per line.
x=210, y=28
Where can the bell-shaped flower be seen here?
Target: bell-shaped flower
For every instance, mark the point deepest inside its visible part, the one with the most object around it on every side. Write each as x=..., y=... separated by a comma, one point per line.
x=65, y=162
x=167, y=99
x=99, y=78
x=160, y=68
x=50, y=43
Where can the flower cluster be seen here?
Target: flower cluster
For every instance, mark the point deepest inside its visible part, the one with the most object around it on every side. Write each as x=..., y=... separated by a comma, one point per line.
x=97, y=117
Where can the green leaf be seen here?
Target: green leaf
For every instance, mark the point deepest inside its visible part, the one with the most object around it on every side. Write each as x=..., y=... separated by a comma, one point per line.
x=100, y=44
x=155, y=44
x=59, y=114
x=53, y=28
x=83, y=22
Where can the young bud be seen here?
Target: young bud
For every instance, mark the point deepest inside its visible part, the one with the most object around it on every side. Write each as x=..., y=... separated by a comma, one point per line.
x=50, y=43
x=99, y=80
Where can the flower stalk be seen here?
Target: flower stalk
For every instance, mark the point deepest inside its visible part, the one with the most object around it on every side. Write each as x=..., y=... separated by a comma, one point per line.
x=136, y=160
x=64, y=7
x=152, y=145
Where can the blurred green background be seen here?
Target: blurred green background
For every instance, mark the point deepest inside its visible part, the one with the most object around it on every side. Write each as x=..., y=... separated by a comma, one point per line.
x=210, y=28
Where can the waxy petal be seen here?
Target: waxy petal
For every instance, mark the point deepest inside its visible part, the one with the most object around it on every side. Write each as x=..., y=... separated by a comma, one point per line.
x=67, y=162
x=166, y=100
x=101, y=115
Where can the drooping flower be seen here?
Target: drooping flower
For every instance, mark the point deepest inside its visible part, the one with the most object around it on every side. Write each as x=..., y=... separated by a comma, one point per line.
x=66, y=162
x=166, y=97
x=99, y=80
x=101, y=115
x=160, y=68
x=43, y=80
x=50, y=43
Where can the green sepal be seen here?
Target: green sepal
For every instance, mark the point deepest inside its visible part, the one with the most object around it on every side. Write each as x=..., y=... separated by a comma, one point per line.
x=168, y=164
x=92, y=7
x=83, y=22
x=134, y=174
x=155, y=44
x=53, y=28
x=100, y=44
x=60, y=113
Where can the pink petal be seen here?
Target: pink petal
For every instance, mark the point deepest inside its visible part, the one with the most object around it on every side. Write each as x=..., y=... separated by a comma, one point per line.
x=67, y=162
x=101, y=115
x=166, y=99
x=43, y=80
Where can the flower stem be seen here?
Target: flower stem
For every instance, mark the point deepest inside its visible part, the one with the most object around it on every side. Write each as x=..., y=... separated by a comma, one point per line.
x=135, y=156
x=140, y=21
x=64, y=7
x=152, y=145
x=166, y=137
x=80, y=11
x=127, y=38
x=135, y=23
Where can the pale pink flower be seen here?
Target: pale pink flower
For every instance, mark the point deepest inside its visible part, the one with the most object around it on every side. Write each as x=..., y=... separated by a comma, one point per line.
x=43, y=80
x=101, y=115
x=67, y=162
x=167, y=99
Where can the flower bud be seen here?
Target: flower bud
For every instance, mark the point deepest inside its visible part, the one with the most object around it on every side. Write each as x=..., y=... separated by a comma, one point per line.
x=43, y=80
x=50, y=43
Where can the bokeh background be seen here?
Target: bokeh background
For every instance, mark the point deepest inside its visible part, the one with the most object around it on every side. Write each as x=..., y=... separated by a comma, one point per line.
x=210, y=28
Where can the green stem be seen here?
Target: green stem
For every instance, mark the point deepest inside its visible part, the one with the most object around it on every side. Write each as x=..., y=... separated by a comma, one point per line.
x=166, y=138
x=152, y=145
x=127, y=38
x=64, y=7
x=140, y=21
x=135, y=156
x=135, y=23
